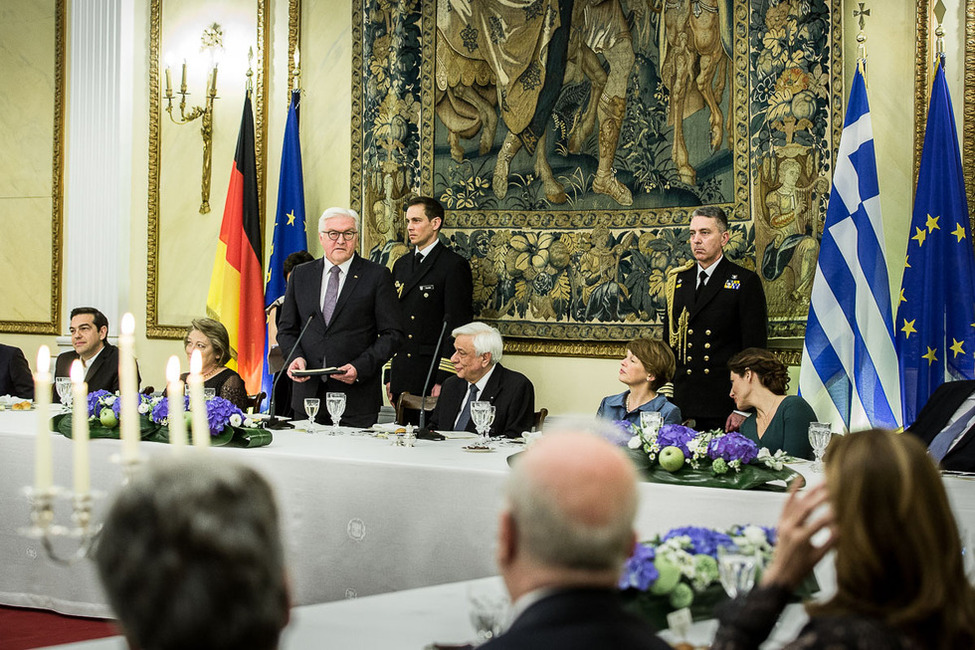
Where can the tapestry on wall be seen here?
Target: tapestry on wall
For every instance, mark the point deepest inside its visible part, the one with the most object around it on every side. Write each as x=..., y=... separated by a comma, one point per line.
x=570, y=141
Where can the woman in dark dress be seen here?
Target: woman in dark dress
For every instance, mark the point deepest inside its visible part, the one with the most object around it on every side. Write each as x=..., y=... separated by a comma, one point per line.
x=211, y=339
x=900, y=574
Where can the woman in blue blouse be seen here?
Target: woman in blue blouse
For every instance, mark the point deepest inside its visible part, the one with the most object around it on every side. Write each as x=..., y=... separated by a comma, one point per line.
x=759, y=380
x=647, y=366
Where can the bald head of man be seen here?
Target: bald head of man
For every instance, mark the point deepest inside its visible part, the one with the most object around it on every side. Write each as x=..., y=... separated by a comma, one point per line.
x=568, y=520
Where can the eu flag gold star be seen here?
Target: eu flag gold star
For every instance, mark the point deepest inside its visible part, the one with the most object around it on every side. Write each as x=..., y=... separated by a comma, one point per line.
x=907, y=261
x=959, y=232
x=908, y=328
x=931, y=356
x=920, y=236
x=291, y=218
x=932, y=223
x=903, y=299
x=957, y=346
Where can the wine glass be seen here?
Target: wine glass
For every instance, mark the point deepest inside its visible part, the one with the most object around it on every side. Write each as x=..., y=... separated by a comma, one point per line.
x=312, y=405
x=335, y=403
x=819, y=435
x=63, y=387
x=209, y=393
x=651, y=421
x=736, y=570
x=479, y=415
x=488, y=606
x=490, y=412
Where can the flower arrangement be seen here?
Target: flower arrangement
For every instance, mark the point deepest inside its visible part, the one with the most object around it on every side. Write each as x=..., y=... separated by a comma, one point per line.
x=228, y=424
x=679, y=454
x=680, y=569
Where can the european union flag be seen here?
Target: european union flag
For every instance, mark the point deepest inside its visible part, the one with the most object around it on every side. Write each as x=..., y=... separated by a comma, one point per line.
x=289, y=224
x=936, y=316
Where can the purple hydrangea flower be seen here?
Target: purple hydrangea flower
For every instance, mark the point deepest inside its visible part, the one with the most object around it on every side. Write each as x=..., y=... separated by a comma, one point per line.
x=620, y=433
x=676, y=435
x=639, y=571
x=94, y=403
x=703, y=540
x=733, y=446
x=219, y=411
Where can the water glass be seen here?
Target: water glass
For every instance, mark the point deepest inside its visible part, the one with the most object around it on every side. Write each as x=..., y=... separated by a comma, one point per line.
x=312, y=404
x=335, y=403
x=651, y=421
x=736, y=570
x=479, y=415
x=209, y=393
x=63, y=387
x=819, y=435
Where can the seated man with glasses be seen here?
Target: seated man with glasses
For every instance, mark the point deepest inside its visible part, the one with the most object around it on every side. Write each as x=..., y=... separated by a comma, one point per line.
x=355, y=322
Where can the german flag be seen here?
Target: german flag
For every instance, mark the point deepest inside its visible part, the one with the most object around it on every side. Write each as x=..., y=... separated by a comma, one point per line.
x=236, y=296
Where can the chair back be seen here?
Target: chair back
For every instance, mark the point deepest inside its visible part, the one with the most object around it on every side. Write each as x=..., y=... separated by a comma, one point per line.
x=539, y=419
x=254, y=402
x=408, y=402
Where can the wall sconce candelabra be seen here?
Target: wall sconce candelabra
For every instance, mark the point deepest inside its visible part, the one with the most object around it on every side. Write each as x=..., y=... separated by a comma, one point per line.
x=212, y=43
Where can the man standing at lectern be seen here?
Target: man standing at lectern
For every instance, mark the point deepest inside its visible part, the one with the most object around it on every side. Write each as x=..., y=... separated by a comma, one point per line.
x=715, y=309
x=434, y=284
x=354, y=324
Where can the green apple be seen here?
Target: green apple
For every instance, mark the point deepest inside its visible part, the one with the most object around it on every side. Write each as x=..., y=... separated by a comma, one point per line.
x=671, y=458
x=667, y=578
x=682, y=596
x=107, y=418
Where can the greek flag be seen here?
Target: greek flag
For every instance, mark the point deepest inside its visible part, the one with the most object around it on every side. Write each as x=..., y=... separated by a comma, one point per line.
x=936, y=313
x=849, y=365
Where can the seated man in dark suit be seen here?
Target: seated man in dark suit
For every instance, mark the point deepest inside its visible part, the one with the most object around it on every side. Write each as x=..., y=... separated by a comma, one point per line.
x=190, y=556
x=946, y=424
x=480, y=377
x=89, y=337
x=15, y=376
x=565, y=532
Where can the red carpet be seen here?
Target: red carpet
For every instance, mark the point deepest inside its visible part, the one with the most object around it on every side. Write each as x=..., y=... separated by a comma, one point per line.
x=21, y=629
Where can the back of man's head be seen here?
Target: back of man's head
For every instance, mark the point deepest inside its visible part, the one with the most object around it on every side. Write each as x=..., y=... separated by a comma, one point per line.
x=190, y=556
x=571, y=502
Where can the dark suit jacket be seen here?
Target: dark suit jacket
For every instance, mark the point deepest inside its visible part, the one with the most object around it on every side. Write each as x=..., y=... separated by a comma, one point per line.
x=729, y=316
x=15, y=378
x=365, y=331
x=103, y=373
x=934, y=417
x=511, y=393
x=578, y=619
x=440, y=286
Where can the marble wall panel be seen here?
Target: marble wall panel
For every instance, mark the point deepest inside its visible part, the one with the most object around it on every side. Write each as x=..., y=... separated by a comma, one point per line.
x=25, y=253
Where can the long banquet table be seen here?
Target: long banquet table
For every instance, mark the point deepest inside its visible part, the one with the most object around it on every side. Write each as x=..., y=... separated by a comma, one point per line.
x=359, y=516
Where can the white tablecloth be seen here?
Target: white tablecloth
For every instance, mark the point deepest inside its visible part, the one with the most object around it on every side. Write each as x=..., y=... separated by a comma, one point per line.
x=359, y=516
x=410, y=620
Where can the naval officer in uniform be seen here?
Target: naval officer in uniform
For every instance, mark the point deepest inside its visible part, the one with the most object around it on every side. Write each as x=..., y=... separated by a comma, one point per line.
x=434, y=283
x=715, y=309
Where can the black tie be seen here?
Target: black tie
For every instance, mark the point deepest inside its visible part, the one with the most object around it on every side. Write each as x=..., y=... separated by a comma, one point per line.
x=700, y=285
x=417, y=261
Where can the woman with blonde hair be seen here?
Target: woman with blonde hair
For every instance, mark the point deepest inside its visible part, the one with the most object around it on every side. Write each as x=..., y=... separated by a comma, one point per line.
x=210, y=337
x=759, y=381
x=900, y=575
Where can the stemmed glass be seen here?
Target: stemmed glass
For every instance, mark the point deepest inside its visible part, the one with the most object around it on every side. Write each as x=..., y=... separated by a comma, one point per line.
x=488, y=606
x=335, y=403
x=736, y=570
x=819, y=435
x=63, y=386
x=480, y=414
x=312, y=405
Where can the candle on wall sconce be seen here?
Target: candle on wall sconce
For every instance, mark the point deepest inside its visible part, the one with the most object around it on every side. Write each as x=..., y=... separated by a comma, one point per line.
x=169, y=76
x=211, y=42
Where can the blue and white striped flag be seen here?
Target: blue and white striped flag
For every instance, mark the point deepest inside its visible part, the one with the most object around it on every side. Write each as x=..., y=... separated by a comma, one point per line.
x=849, y=369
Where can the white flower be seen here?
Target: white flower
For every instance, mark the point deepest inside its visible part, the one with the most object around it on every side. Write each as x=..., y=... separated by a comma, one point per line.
x=754, y=535
x=235, y=420
x=143, y=408
x=249, y=423
x=634, y=442
x=108, y=400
